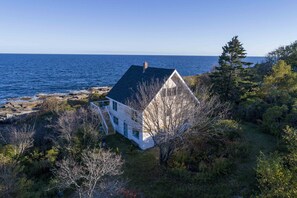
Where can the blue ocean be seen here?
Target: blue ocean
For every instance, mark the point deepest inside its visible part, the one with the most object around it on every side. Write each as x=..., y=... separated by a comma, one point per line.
x=30, y=74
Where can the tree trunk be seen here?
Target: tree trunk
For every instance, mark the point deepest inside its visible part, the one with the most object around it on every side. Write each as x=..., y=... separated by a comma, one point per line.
x=165, y=153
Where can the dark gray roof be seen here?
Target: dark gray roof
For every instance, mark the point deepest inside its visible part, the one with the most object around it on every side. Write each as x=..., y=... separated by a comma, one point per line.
x=126, y=88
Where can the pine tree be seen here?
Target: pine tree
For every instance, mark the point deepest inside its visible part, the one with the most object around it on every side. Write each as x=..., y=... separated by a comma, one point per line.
x=230, y=79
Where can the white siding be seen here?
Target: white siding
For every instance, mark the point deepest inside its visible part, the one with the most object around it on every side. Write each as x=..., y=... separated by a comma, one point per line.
x=123, y=113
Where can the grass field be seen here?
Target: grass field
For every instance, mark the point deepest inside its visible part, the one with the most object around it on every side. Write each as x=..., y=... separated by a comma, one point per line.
x=148, y=179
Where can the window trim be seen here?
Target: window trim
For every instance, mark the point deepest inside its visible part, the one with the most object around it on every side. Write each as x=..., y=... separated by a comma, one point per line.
x=114, y=105
x=134, y=131
x=115, y=120
x=134, y=116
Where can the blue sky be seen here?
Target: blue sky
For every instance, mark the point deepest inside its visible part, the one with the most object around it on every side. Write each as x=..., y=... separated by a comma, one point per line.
x=180, y=27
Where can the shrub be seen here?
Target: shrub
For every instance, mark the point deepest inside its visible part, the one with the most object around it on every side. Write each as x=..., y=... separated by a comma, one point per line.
x=54, y=105
x=274, y=179
x=252, y=109
x=96, y=97
x=77, y=103
x=230, y=128
x=212, y=153
x=221, y=166
x=273, y=119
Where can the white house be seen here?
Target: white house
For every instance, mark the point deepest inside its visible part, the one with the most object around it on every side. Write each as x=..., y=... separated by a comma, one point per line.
x=119, y=109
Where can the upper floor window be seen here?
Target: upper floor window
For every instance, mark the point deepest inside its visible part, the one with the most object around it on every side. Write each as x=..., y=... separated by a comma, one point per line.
x=179, y=90
x=169, y=91
x=114, y=105
x=163, y=92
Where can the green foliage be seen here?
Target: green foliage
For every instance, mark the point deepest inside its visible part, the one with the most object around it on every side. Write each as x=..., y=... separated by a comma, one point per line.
x=214, y=152
x=8, y=151
x=230, y=128
x=274, y=178
x=282, y=79
x=290, y=140
x=287, y=53
x=230, y=79
x=277, y=173
x=54, y=105
x=77, y=103
x=252, y=109
x=52, y=154
x=96, y=97
x=273, y=119
x=221, y=166
x=274, y=104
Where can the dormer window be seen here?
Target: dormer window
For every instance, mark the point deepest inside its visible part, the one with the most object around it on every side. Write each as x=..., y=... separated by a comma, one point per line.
x=114, y=105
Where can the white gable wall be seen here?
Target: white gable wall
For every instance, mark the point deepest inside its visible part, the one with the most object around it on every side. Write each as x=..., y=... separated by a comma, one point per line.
x=123, y=114
x=170, y=83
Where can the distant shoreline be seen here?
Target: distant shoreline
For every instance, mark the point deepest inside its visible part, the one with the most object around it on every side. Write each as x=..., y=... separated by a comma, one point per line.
x=30, y=74
x=106, y=54
x=36, y=96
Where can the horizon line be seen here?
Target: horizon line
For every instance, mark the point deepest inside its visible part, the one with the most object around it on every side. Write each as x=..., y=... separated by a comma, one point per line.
x=116, y=54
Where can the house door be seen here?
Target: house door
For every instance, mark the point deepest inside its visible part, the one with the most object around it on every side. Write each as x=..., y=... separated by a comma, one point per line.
x=125, y=129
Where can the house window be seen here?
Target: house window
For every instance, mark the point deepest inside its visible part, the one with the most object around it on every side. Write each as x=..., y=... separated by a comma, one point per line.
x=114, y=105
x=179, y=90
x=115, y=120
x=174, y=91
x=134, y=116
x=171, y=91
x=135, y=133
x=163, y=93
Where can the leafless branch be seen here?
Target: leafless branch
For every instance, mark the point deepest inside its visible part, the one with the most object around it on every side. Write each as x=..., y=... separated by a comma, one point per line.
x=21, y=138
x=70, y=122
x=95, y=174
x=169, y=117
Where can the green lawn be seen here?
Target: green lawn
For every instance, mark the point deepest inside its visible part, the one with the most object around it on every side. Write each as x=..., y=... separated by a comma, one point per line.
x=148, y=179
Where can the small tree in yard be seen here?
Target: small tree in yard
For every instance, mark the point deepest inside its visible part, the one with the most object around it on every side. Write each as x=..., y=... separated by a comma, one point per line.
x=167, y=118
x=94, y=176
x=16, y=140
x=79, y=128
x=21, y=138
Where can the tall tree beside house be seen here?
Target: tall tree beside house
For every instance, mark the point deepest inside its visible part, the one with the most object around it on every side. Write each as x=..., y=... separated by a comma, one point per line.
x=230, y=79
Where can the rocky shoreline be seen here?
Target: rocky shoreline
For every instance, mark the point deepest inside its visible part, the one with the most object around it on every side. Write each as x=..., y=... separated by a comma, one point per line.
x=16, y=108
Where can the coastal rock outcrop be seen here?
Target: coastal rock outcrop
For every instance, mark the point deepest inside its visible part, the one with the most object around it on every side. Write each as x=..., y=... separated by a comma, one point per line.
x=16, y=108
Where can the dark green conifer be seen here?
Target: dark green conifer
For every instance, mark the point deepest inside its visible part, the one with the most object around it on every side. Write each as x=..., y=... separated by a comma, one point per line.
x=231, y=79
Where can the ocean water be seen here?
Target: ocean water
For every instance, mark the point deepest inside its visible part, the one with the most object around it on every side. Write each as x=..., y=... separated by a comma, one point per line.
x=30, y=74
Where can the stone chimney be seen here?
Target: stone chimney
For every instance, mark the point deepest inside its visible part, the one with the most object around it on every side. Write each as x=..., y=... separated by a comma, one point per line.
x=145, y=66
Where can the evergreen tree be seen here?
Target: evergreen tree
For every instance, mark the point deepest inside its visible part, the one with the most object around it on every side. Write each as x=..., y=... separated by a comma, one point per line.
x=230, y=79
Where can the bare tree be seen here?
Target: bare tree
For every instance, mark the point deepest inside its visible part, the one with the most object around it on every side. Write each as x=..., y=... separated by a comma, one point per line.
x=94, y=175
x=173, y=113
x=21, y=138
x=69, y=123
x=9, y=173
